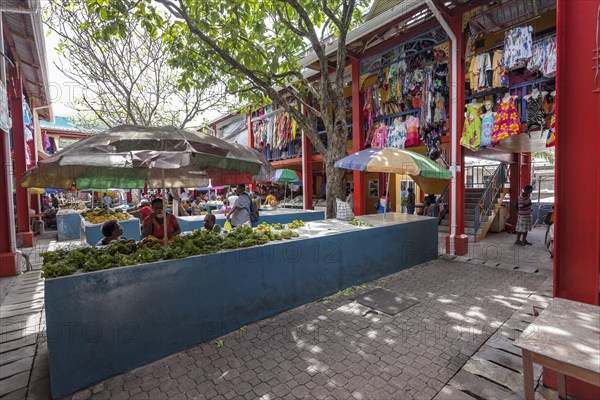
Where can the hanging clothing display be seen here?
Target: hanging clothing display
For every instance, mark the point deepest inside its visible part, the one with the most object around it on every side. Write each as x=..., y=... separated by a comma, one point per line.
x=487, y=127
x=518, y=44
x=498, y=71
x=543, y=58
x=432, y=136
x=551, y=138
x=274, y=131
x=397, y=135
x=536, y=117
x=380, y=137
x=471, y=136
x=506, y=123
x=412, y=131
x=474, y=75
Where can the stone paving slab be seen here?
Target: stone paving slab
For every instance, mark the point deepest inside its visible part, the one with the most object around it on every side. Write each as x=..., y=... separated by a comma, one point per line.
x=339, y=349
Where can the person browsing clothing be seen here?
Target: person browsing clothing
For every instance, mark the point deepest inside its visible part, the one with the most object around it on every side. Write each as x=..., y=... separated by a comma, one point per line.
x=197, y=208
x=210, y=224
x=410, y=201
x=154, y=223
x=524, y=216
x=240, y=212
x=111, y=230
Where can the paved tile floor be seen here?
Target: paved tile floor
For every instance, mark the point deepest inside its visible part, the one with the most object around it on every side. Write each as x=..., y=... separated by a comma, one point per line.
x=339, y=349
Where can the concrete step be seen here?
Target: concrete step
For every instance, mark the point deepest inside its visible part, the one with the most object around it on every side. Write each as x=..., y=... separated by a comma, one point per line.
x=469, y=224
x=446, y=229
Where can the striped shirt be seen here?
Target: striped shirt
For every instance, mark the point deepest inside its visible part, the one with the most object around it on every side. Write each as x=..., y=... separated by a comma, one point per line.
x=524, y=204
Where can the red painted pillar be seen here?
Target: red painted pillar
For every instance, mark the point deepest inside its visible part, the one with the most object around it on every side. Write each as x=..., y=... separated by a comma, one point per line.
x=525, y=169
x=8, y=259
x=24, y=235
x=577, y=234
x=461, y=241
x=577, y=182
x=515, y=186
x=358, y=138
x=307, y=169
x=129, y=196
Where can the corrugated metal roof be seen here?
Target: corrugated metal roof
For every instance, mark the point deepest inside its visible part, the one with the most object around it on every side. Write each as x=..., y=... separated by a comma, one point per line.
x=381, y=6
x=27, y=35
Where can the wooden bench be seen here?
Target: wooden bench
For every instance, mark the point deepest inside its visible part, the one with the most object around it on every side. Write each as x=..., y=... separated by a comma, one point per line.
x=565, y=338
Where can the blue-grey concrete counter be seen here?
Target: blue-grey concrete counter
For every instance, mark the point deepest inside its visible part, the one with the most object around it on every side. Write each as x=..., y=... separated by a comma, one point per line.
x=93, y=233
x=268, y=216
x=68, y=226
x=104, y=323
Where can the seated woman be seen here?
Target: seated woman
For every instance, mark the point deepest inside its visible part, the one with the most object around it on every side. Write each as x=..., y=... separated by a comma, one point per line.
x=225, y=208
x=210, y=224
x=111, y=230
x=154, y=223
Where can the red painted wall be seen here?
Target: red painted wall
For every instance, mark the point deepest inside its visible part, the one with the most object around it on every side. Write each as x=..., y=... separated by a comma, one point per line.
x=577, y=205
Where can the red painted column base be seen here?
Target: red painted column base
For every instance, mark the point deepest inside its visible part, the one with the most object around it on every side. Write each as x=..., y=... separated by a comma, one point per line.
x=576, y=388
x=461, y=244
x=8, y=264
x=24, y=239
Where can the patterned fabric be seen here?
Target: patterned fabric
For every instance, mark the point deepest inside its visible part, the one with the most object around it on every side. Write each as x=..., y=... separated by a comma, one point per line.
x=397, y=135
x=487, y=127
x=506, y=123
x=523, y=223
x=544, y=57
x=518, y=46
x=433, y=139
x=551, y=139
x=524, y=202
x=471, y=137
x=498, y=69
x=344, y=211
x=412, y=131
x=535, y=112
x=380, y=137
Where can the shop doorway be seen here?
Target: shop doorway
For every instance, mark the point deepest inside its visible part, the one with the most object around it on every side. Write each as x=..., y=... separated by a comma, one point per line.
x=404, y=185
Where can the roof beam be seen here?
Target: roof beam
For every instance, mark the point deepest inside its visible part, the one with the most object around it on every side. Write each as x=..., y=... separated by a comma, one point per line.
x=421, y=28
x=10, y=41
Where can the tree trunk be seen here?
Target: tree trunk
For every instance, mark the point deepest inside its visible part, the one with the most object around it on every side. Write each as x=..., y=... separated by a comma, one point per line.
x=334, y=187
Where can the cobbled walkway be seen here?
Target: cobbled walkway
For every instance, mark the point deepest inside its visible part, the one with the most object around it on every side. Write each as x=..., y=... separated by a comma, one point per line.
x=23, y=351
x=339, y=349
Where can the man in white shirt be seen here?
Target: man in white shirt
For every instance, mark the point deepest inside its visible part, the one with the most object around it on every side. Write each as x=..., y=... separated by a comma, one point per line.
x=107, y=201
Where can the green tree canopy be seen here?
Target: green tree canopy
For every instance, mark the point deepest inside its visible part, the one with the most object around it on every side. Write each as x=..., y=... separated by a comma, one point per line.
x=255, y=48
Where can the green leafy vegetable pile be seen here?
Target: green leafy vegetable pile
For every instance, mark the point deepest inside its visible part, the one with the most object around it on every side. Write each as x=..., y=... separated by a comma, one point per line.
x=358, y=222
x=120, y=254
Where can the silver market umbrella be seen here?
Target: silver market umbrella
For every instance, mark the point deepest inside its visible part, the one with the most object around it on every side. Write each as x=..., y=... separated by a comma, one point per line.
x=128, y=156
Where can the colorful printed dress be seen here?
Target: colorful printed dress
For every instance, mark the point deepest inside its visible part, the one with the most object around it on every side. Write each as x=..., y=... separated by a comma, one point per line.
x=506, y=123
x=471, y=137
x=487, y=127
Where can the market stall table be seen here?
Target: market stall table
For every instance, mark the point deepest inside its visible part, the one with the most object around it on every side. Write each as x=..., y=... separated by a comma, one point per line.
x=565, y=338
x=171, y=305
x=93, y=233
x=190, y=223
x=68, y=225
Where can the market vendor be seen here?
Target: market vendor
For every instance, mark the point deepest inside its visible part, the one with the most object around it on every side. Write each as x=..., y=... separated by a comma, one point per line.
x=197, y=208
x=210, y=224
x=240, y=211
x=111, y=230
x=154, y=223
x=269, y=199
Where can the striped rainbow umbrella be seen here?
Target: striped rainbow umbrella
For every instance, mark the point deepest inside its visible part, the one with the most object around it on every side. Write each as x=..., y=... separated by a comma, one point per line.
x=428, y=174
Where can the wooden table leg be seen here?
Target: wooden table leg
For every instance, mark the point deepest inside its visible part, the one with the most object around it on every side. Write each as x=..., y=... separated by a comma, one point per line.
x=562, y=387
x=528, y=375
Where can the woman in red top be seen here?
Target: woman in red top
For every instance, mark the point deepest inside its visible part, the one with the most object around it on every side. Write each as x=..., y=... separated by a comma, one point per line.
x=154, y=224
